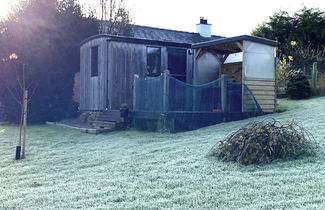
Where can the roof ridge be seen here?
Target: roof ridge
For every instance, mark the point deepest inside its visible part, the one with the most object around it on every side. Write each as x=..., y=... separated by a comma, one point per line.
x=171, y=30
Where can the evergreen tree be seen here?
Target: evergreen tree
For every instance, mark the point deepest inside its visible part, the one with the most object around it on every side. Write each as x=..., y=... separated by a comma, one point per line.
x=301, y=35
x=45, y=35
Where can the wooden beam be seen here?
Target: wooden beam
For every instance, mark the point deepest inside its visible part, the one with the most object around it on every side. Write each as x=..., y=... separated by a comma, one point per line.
x=258, y=79
x=225, y=48
x=164, y=58
x=135, y=78
x=260, y=83
x=268, y=106
x=266, y=101
x=166, y=75
x=199, y=53
x=260, y=87
x=240, y=46
x=218, y=56
x=264, y=97
x=221, y=57
x=224, y=58
x=224, y=97
x=263, y=92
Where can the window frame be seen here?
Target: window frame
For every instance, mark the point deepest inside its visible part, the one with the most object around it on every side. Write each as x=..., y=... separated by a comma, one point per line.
x=94, y=66
x=159, y=64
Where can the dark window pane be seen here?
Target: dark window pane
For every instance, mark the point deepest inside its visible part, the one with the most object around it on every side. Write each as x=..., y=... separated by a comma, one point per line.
x=153, y=61
x=177, y=63
x=94, y=61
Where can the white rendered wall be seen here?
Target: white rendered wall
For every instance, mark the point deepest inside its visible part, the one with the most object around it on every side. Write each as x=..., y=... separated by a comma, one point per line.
x=204, y=29
x=258, y=60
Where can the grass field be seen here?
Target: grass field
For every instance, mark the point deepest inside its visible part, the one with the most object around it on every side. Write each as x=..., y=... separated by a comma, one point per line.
x=65, y=169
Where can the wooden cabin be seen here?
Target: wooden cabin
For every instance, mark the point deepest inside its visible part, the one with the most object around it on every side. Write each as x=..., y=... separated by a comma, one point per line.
x=109, y=63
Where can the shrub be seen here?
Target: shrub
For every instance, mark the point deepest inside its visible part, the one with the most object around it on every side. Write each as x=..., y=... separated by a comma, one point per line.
x=298, y=86
x=265, y=141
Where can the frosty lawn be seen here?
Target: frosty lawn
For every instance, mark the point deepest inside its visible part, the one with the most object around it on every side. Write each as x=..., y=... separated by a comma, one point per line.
x=141, y=170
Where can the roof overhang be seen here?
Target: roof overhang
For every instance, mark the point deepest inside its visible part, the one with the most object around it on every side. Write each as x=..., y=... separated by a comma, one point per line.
x=232, y=44
x=220, y=46
x=126, y=39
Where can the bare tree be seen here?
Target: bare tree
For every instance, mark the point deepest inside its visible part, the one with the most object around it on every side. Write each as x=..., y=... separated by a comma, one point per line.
x=21, y=96
x=115, y=18
x=313, y=53
x=311, y=56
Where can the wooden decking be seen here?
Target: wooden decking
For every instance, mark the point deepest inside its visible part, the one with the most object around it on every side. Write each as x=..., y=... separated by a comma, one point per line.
x=105, y=122
x=85, y=128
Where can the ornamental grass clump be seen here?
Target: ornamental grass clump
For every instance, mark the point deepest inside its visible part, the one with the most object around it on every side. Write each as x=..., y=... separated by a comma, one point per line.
x=265, y=141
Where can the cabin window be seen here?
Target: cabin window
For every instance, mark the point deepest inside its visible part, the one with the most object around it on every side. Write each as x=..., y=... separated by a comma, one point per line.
x=153, y=61
x=94, y=61
x=177, y=63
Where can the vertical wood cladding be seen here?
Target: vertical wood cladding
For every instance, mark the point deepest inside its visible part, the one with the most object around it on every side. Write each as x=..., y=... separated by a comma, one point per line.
x=93, y=88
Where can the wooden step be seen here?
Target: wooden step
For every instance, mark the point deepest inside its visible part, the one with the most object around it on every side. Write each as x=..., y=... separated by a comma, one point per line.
x=107, y=125
x=110, y=116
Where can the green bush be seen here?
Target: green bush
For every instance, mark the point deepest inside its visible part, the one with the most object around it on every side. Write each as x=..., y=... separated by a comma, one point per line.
x=298, y=86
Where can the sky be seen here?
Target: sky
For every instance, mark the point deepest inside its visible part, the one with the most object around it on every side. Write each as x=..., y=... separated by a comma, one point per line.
x=228, y=17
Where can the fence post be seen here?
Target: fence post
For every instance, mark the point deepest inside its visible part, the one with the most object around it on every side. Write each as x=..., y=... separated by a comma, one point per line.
x=135, y=78
x=224, y=99
x=166, y=91
x=163, y=121
x=314, y=77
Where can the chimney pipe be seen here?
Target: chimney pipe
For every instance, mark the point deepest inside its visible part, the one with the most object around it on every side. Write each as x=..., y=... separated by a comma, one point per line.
x=203, y=28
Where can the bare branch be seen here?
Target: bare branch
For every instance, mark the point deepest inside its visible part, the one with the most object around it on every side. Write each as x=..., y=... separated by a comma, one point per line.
x=117, y=20
x=32, y=93
x=18, y=80
x=13, y=96
x=29, y=85
x=10, y=91
x=309, y=52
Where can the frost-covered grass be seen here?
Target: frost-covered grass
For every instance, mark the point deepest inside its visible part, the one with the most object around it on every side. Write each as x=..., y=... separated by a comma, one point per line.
x=65, y=169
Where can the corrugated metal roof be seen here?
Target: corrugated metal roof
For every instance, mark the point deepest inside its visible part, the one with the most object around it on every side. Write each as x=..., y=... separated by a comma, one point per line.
x=151, y=33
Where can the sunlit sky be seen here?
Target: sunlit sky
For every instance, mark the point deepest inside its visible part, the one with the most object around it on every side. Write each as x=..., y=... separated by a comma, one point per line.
x=4, y=7
x=228, y=17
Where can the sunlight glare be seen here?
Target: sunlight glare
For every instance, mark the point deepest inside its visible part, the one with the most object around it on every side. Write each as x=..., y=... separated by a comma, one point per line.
x=5, y=7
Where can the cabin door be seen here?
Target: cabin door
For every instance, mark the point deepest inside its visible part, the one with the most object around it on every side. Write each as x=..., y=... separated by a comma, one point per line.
x=177, y=63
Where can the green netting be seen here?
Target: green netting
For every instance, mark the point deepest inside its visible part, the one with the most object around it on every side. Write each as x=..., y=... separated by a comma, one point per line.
x=185, y=97
x=249, y=102
x=149, y=94
x=167, y=94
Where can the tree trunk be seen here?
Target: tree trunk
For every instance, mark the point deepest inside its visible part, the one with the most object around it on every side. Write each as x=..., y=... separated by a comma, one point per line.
x=24, y=121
